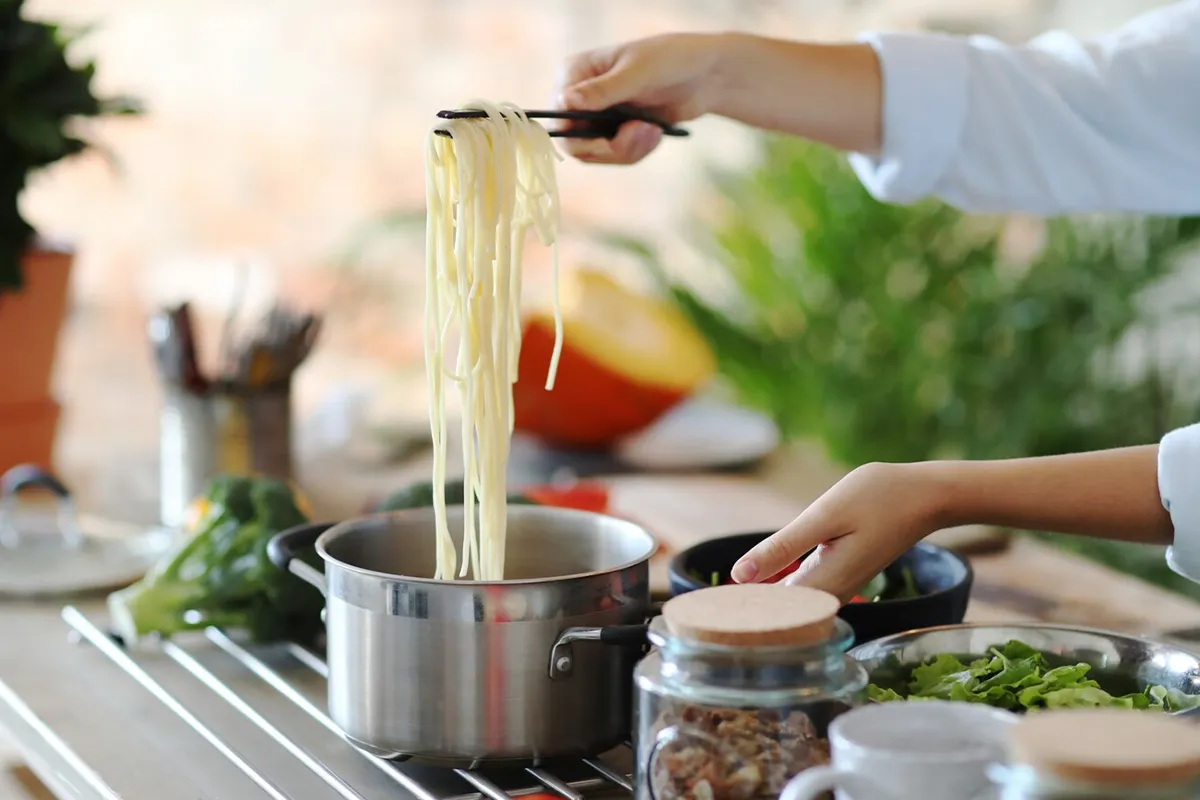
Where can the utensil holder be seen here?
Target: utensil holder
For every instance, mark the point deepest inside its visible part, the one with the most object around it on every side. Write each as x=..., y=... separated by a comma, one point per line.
x=229, y=430
x=254, y=431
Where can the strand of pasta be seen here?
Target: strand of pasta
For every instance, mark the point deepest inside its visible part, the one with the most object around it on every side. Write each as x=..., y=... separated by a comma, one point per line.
x=486, y=185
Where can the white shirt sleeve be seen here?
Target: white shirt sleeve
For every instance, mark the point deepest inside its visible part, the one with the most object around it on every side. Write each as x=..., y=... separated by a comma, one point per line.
x=1057, y=125
x=1179, y=487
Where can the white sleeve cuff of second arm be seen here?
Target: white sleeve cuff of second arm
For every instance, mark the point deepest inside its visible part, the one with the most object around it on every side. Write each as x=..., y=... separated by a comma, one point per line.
x=925, y=79
x=1179, y=487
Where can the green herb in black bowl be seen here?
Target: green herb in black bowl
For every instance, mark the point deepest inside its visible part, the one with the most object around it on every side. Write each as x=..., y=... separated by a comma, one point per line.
x=926, y=586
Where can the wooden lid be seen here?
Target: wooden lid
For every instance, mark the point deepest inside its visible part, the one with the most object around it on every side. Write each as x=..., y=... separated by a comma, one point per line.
x=1103, y=746
x=753, y=615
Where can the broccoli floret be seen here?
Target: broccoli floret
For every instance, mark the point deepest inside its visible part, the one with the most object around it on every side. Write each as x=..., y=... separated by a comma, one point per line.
x=221, y=575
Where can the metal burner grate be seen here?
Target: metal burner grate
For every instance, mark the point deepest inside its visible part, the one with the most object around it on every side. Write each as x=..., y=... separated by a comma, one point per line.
x=279, y=692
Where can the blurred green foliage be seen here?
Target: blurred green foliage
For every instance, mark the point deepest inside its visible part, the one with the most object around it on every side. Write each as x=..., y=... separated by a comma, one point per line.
x=899, y=332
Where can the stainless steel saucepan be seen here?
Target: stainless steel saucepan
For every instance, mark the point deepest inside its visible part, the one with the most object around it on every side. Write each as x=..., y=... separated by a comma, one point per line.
x=536, y=666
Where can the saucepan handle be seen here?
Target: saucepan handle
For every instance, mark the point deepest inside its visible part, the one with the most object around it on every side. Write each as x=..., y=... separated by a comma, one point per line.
x=284, y=546
x=562, y=656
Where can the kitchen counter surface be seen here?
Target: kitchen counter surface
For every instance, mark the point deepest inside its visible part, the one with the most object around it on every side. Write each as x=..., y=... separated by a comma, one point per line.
x=91, y=732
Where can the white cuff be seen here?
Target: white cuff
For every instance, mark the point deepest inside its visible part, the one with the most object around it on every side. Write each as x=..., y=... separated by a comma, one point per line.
x=1179, y=488
x=924, y=111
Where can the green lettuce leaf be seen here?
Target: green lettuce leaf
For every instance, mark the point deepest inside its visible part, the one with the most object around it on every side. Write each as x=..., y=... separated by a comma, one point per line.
x=1019, y=678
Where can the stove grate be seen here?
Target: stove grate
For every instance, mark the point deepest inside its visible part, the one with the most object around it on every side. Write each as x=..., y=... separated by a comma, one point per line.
x=589, y=777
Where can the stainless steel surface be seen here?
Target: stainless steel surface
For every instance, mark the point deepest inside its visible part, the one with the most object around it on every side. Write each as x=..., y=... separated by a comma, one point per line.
x=187, y=456
x=455, y=671
x=1120, y=663
x=92, y=730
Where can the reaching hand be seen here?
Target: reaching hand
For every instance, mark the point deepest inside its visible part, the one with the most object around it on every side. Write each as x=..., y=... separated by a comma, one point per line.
x=857, y=528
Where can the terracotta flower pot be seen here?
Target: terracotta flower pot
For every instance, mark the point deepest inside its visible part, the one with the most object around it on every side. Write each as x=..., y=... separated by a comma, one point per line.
x=27, y=433
x=30, y=321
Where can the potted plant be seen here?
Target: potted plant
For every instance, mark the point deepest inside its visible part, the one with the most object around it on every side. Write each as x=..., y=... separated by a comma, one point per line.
x=43, y=95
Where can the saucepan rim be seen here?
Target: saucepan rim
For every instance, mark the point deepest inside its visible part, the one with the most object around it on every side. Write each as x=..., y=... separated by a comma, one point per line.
x=349, y=526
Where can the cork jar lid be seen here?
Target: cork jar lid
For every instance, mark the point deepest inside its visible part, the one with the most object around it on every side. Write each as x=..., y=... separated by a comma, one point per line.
x=1102, y=746
x=753, y=615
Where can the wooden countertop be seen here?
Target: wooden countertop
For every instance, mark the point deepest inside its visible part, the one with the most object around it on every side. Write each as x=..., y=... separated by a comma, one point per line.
x=1027, y=581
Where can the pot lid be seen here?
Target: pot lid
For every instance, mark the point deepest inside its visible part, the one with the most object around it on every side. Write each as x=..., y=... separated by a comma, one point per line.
x=753, y=615
x=1110, y=747
x=45, y=550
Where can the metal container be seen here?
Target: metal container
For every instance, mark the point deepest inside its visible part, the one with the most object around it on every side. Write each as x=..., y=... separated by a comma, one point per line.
x=186, y=452
x=1121, y=664
x=224, y=431
x=464, y=672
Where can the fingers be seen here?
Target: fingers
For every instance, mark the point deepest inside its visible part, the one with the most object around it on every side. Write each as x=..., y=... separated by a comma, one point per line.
x=582, y=67
x=837, y=568
x=618, y=85
x=594, y=81
x=633, y=142
x=813, y=527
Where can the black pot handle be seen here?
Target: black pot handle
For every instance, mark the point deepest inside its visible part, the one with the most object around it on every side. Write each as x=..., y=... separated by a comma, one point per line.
x=28, y=476
x=629, y=635
x=562, y=656
x=283, y=547
x=622, y=635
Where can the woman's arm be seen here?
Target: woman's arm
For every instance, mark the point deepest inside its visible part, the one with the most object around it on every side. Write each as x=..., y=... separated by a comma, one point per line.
x=1112, y=494
x=1139, y=494
x=830, y=93
x=1145, y=494
x=1055, y=126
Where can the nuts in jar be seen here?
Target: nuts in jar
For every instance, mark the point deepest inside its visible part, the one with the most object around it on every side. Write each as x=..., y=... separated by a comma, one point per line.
x=732, y=754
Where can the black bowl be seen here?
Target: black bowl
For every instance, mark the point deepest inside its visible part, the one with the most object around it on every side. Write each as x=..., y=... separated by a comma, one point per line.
x=943, y=578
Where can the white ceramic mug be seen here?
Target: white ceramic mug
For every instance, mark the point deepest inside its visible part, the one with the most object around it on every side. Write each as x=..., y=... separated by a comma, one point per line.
x=930, y=749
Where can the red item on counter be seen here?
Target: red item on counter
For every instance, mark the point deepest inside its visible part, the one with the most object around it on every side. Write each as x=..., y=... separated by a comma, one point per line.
x=580, y=496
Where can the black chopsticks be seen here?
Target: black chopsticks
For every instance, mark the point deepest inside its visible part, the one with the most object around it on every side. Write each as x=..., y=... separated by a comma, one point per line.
x=602, y=124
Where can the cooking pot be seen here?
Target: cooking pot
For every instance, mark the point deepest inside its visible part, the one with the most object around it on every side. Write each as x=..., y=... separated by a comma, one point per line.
x=463, y=672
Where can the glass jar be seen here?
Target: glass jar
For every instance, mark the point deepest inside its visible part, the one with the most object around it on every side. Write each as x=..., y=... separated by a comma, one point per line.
x=721, y=722
x=1024, y=783
x=1100, y=754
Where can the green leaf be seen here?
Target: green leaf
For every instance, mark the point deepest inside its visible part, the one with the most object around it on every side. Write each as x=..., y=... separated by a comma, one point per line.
x=1018, y=677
